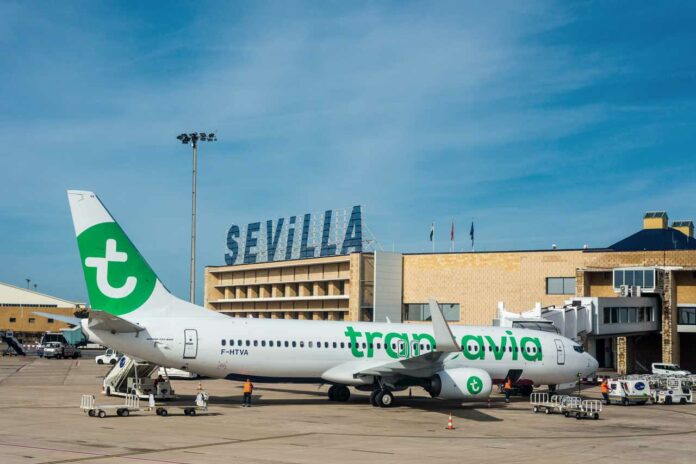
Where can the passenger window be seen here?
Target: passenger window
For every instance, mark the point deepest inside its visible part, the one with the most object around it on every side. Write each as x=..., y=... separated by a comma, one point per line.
x=510, y=349
x=239, y=343
x=286, y=344
x=364, y=345
x=379, y=346
x=256, y=343
x=248, y=343
x=350, y=345
x=263, y=342
x=334, y=344
x=224, y=342
x=326, y=344
x=309, y=344
x=302, y=344
x=270, y=343
x=294, y=344
x=343, y=345
x=318, y=344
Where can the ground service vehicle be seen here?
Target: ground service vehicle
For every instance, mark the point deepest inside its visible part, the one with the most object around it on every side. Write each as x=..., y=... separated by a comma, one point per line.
x=668, y=369
x=629, y=391
x=59, y=350
x=110, y=356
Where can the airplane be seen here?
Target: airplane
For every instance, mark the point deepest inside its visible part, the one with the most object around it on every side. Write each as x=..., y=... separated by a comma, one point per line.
x=134, y=313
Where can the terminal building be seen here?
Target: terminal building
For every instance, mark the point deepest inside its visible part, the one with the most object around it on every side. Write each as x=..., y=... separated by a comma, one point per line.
x=17, y=306
x=631, y=303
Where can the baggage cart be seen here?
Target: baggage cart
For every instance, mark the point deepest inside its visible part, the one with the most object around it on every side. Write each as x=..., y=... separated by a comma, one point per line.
x=584, y=409
x=87, y=404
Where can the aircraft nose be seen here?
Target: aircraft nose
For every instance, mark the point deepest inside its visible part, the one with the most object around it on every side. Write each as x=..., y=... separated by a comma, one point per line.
x=593, y=364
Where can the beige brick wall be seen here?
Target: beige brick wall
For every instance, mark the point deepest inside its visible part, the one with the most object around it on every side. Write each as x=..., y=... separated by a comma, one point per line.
x=477, y=281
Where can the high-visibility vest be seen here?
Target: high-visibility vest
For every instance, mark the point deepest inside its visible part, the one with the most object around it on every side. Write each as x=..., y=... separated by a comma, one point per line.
x=508, y=385
x=248, y=387
x=605, y=387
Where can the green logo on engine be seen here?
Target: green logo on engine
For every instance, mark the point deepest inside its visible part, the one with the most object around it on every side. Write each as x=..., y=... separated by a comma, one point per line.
x=118, y=278
x=474, y=385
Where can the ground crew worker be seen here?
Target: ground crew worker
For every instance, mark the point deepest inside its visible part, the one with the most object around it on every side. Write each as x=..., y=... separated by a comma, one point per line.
x=604, y=387
x=508, y=389
x=248, y=389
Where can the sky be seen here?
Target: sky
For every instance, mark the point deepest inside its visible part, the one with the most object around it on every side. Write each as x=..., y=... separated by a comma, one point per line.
x=543, y=122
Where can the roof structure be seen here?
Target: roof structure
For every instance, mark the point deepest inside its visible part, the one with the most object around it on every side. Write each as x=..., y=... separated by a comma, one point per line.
x=655, y=240
x=11, y=295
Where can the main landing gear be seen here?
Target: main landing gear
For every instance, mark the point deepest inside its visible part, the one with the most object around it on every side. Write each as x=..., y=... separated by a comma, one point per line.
x=382, y=398
x=339, y=393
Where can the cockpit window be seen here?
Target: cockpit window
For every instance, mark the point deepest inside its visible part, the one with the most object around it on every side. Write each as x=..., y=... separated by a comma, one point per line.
x=579, y=349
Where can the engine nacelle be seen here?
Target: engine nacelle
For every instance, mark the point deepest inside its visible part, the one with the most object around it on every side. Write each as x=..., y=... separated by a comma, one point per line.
x=460, y=383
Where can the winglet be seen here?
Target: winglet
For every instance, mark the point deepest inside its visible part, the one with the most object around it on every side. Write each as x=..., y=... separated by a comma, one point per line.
x=444, y=340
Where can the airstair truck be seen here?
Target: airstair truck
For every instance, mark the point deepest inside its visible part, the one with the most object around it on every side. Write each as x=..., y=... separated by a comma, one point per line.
x=8, y=338
x=134, y=377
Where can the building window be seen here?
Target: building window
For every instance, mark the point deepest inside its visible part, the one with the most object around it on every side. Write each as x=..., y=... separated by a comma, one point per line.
x=560, y=285
x=32, y=320
x=421, y=312
x=687, y=315
x=13, y=320
x=644, y=278
x=50, y=321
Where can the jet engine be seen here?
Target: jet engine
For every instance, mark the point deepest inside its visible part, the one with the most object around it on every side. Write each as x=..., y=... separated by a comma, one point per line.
x=460, y=383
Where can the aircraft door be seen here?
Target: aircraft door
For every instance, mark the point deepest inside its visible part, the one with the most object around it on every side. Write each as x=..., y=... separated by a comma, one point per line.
x=560, y=352
x=190, y=343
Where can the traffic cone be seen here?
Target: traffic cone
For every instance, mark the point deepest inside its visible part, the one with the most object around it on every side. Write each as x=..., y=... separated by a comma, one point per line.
x=449, y=423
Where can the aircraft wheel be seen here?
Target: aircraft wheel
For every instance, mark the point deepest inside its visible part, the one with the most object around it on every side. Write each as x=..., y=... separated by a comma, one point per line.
x=332, y=393
x=373, y=397
x=385, y=399
x=342, y=393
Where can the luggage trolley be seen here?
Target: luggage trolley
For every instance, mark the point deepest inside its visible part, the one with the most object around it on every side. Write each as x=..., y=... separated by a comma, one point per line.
x=87, y=404
x=542, y=402
x=584, y=409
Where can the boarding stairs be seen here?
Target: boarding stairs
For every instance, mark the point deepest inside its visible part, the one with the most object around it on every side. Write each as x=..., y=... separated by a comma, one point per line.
x=9, y=339
x=116, y=381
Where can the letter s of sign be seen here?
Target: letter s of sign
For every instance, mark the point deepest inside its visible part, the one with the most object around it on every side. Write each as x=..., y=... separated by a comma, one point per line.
x=232, y=245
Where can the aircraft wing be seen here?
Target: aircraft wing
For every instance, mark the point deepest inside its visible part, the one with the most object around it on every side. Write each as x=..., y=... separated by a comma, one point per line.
x=424, y=365
x=59, y=317
x=101, y=320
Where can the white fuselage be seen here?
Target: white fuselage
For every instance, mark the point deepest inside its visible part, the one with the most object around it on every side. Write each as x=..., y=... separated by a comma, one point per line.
x=278, y=350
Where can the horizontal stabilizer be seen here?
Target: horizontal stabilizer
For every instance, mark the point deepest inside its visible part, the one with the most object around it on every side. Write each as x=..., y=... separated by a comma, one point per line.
x=59, y=317
x=101, y=320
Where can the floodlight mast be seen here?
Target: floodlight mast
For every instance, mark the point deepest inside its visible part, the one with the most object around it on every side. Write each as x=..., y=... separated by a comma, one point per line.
x=193, y=138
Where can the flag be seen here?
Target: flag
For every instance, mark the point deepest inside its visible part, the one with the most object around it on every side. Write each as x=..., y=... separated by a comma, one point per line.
x=471, y=234
x=432, y=231
x=452, y=232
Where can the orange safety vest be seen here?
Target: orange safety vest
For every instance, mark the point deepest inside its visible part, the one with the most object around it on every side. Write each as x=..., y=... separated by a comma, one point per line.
x=508, y=384
x=605, y=387
x=248, y=387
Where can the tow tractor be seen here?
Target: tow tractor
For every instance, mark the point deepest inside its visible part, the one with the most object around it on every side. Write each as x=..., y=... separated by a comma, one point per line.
x=673, y=390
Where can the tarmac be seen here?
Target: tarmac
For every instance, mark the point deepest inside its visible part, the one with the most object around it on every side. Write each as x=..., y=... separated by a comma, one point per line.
x=41, y=422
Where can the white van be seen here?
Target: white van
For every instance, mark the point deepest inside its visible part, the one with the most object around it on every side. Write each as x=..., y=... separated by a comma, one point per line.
x=668, y=369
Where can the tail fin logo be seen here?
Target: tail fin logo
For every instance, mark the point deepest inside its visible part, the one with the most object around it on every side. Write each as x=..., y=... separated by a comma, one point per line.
x=118, y=278
x=102, y=267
